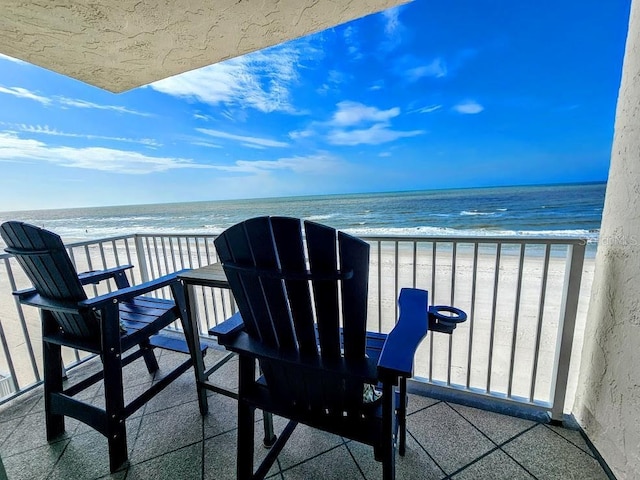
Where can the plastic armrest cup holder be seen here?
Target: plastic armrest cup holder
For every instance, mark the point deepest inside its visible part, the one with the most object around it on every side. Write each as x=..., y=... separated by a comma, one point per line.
x=451, y=316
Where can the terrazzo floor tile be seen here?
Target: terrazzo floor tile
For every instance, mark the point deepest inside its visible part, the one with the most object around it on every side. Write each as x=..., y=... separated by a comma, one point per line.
x=450, y=439
x=34, y=464
x=499, y=428
x=304, y=443
x=549, y=456
x=87, y=456
x=414, y=462
x=222, y=415
x=31, y=433
x=220, y=456
x=182, y=464
x=572, y=436
x=167, y=430
x=336, y=464
x=495, y=466
x=418, y=402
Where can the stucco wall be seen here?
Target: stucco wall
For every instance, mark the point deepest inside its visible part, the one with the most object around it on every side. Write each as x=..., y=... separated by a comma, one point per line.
x=608, y=398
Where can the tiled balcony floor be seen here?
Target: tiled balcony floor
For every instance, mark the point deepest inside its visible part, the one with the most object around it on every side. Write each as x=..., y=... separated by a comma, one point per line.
x=168, y=439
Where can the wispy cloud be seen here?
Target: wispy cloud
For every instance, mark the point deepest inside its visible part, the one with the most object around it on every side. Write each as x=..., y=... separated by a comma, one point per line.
x=468, y=107
x=393, y=28
x=335, y=79
x=66, y=102
x=320, y=163
x=375, y=135
x=261, y=80
x=77, y=103
x=436, y=69
x=354, y=123
x=350, y=35
x=354, y=113
x=259, y=141
x=14, y=148
x=427, y=109
x=350, y=115
x=392, y=23
x=46, y=130
x=206, y=144
x=24, y=93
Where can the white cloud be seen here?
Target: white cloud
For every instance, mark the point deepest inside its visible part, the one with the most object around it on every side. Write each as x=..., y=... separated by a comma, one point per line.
x=393, y=29
x=346, y=126
x=375, y=135
x=469, y=107
x=260, y=80
x=24, y=93
x=13, y=148
x=392, y=23
x=75, y=102
x=354, y=113
x=66, y=102
x=259, y=141
x=437, y=69
x=206, y=144
x=427, y=109
x=45, y=130
x=318, y=164
x=294, y=135
x=350, y=35
x=11, y=59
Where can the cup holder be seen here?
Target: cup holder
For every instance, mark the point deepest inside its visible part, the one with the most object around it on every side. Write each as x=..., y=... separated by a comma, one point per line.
x=443, y=318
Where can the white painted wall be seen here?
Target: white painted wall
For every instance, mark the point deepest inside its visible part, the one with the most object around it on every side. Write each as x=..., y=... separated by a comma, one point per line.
x=608, y=398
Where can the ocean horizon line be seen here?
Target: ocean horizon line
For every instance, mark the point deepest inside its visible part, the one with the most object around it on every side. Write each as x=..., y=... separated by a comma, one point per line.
x=320, y=195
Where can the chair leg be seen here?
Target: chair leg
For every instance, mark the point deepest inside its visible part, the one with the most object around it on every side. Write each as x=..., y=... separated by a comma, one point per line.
x=246, y=421
x=402, y=417
x=269, y=437
x=114, y=401
x=52, y=358
x=388, y=430
x=149, y=357
x=116, y=431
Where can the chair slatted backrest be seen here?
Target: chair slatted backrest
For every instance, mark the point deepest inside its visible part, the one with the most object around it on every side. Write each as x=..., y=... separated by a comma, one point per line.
x=301, y=288
x=46, y=263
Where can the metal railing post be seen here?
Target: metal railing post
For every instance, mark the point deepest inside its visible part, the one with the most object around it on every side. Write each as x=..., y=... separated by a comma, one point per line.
x=142, y=258
x=566, y=326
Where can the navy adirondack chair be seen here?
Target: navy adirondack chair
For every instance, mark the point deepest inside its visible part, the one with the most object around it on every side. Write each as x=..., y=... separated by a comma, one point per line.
x=107, y=325
x=301, y=290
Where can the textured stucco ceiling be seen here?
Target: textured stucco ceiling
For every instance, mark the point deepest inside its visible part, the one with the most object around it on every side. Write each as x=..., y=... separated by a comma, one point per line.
x=121, y=44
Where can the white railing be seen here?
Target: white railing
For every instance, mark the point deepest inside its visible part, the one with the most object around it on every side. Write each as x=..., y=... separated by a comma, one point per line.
x=520, y=345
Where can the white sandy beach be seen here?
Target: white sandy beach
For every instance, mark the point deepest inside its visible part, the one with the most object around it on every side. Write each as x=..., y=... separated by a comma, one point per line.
x=434, y=365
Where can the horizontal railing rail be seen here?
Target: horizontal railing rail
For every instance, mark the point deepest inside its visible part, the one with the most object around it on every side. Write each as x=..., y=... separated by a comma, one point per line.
x=526, y=298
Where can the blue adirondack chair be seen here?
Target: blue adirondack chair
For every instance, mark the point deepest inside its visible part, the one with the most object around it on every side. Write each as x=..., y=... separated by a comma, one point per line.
x=107, y=325
x=301, y=290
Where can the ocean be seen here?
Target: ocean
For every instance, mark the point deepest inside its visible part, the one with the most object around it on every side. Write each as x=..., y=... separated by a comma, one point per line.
x=557, y=210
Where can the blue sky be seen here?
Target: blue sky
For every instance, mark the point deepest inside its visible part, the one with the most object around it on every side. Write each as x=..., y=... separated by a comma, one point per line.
x=433, y=94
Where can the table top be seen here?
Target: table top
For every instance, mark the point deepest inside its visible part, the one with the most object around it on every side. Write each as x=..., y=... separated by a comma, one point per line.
x=209, y=275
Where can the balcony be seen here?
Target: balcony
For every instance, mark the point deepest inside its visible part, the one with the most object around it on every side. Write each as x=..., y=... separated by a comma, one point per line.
x=169, y=439
x=517, y=354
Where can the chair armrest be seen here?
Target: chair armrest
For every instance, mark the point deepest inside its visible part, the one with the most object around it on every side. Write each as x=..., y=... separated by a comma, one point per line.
x=396, y=359
x=229, y=328
x=34, y=299
x=96, y=276
x=131, y=292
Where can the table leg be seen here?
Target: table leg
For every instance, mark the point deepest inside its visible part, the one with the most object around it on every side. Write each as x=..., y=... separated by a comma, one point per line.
x=196, y=353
